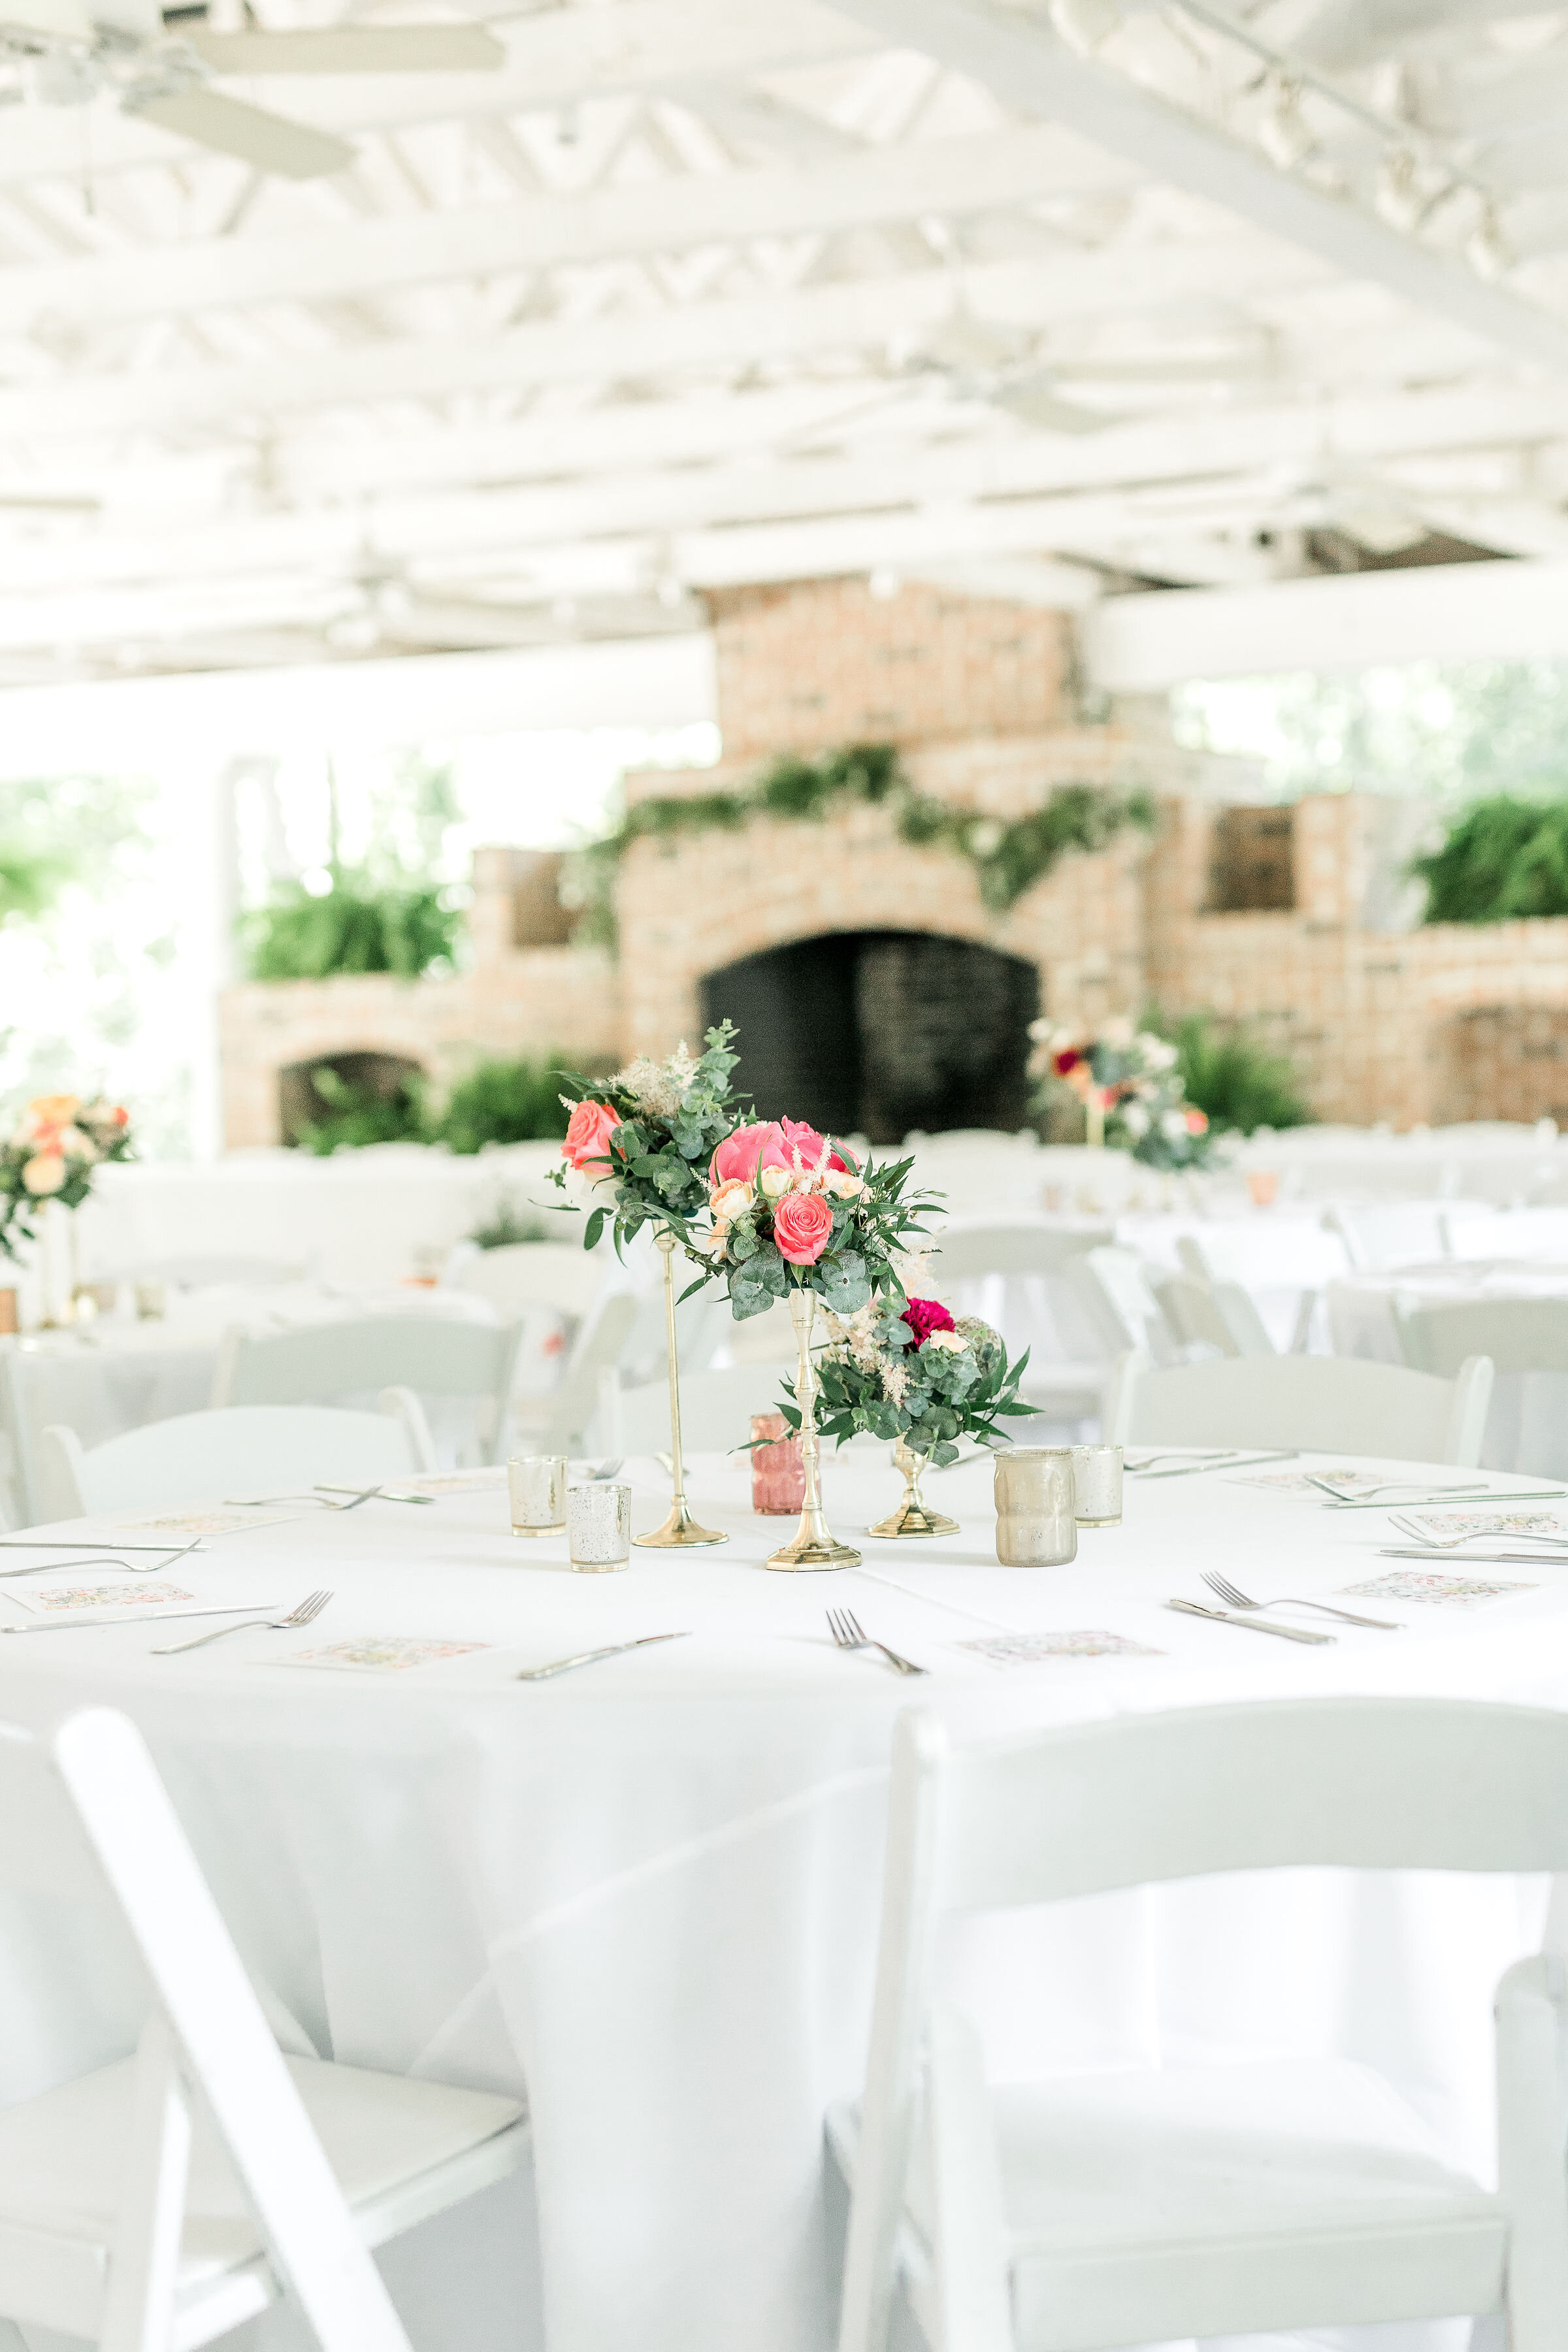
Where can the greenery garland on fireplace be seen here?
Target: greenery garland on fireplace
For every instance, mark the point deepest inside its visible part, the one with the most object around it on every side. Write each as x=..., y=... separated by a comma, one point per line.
x=1009, y=855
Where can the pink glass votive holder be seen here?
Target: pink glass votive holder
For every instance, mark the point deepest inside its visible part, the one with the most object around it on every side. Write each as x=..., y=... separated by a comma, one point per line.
x=778, y=1474
x=1263, y=1184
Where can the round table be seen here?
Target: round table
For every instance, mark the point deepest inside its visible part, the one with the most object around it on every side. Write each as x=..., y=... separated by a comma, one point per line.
x=647, y=1893
x=1527, y=1426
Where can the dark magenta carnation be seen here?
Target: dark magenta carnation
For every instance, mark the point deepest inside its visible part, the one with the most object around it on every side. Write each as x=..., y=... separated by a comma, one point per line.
x=925, y=1316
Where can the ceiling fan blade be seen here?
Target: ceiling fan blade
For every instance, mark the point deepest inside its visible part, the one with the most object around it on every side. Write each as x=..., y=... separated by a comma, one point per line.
x=353, y=48
x=291, y=150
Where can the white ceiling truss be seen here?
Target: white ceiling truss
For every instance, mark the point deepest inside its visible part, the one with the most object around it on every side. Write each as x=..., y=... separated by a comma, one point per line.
x=559, y=314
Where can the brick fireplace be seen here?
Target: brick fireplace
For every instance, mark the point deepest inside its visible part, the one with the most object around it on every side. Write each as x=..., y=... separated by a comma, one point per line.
x=847, y=952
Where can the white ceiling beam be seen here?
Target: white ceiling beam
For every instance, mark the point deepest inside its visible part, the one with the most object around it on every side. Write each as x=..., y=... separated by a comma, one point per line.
x=558, y=57
x=1024, y=62
x=991, y=172
x=1460, y=612
x=1137, y=478
x=863, y=314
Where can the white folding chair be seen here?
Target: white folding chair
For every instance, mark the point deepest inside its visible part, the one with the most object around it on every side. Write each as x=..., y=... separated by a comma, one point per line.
x=1113, y=1288
x=1539, y=1234
x=158, y=2202
x=1125, y=2207
x=1014, y=1274
x=1323, y=1404
x=229, y=1454
x=1391, y=1232
x=323, y=1361
x=1216, y=1317
x=1520, y=1335
x=716, y=1410
x=558, y=1423
x=520, y=1275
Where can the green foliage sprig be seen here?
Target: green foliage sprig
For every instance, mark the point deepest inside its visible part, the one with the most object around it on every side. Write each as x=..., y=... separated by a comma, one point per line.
x=670, y=1119
x=1504, y=858
x=1009, y=856
x=359, y=925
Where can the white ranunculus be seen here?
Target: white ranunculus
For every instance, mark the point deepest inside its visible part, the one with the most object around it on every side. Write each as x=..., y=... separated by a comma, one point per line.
x=1135, y=1118
x=775, y=1182
x=1174, y=1124
x=952, y=1343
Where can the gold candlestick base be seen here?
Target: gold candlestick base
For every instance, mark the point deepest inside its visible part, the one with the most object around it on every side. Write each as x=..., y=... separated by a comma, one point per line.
x=913, y=1516
x=679, y=1530
x=814, y=1546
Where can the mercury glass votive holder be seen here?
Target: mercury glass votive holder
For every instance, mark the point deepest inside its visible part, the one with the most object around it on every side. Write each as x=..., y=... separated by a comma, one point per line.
x=1096, y=1483
x=536, y=1484
x=1036, y=1524
x=599, y=1526
x=778, y=1473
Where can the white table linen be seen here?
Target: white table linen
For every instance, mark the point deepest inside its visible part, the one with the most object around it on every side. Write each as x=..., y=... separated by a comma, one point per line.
x=1526, y=1425
x=647, y=1893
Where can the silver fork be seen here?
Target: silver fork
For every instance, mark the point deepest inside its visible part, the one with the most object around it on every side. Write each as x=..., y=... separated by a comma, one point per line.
x=1389, y=1487
x=845, y=1628
x=1451, y=1543
x=308, y=1609
x=1233, y=1598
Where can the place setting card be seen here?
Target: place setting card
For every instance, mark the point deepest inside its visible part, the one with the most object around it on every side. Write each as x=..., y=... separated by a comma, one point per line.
x=1031, y=1649
x=384, y=1654
x=1447, y=1526
x=1430, y=1588
x=116, y=1600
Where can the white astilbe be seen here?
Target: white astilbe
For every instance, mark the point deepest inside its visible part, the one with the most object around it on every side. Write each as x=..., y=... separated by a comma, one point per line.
x=657, y=1088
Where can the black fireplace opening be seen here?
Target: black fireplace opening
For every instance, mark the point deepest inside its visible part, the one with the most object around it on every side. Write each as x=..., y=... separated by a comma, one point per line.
x=876, y=1032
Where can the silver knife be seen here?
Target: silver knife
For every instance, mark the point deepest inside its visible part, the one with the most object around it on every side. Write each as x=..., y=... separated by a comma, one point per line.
x=148, y=1616
x=1226, y=1462
x=385, y=1493
x=1434, y=1502
x=1469, y=1559
x=587, y=1657
x=78, y=1543
x=1253, y=1624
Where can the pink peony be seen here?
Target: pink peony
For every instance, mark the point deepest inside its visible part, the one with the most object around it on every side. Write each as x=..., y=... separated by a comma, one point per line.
x=803, y=1227
x=588, y=1133
x=806, y=1139
x=925, y=1316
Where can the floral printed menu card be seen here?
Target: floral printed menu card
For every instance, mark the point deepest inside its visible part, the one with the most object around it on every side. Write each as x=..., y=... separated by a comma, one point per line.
x=1029, y=1649
x=131, y=1597
x=1445, y=1591
x=1493, y=1522
x=382, y=1653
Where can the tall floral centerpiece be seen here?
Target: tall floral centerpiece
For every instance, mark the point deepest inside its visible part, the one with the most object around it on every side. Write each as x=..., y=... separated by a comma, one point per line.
x=1131, y=1088
x=48, y=1163
x=907, y=1371
x=793, y=1215
x=636, y=1152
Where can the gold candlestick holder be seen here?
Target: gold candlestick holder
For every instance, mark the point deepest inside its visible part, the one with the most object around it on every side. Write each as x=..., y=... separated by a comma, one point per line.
x=813, y=1545
x=913, y=1516
x=679, y=1530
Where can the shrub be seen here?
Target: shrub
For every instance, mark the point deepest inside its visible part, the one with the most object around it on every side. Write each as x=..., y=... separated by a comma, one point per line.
x=503, y=1102
x=1503, y=859
x=1237, y=1082
x=359, y=926
x=357, y=1116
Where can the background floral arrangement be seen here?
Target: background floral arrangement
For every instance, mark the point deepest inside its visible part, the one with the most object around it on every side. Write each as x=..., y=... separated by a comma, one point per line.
x=1133, y=1077
x=56, y=1146
x=904, y=1368
x=793, y=1209
x=637, y=1145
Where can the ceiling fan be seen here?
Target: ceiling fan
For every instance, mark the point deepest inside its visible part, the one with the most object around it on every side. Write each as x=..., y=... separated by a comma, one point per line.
x=163, y=66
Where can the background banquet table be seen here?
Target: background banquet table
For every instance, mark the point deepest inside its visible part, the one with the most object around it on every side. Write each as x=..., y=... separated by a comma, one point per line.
x=647, y=1893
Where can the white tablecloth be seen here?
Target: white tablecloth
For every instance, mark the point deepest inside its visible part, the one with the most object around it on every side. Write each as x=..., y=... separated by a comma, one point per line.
x=647, y=1893
x=1527, y=1426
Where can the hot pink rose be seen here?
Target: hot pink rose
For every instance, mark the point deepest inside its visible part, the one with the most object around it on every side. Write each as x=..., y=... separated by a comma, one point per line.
x=799, y=1136
x=740, y=1155
x=925, y=1316
x=803, y=1227
x=588, y=1133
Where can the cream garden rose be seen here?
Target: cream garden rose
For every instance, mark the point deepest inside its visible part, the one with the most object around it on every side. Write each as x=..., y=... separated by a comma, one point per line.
x=731, y=1200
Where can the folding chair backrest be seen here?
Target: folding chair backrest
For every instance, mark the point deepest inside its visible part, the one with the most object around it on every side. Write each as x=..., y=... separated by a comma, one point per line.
x=600, y=1344
x=430, y=1354
x=1113, y=1288
x=1523, y=1234
x=1520, y=1335
x=1320, y=1403
x=716, y=1410
x=106, y=1779
x=236, y=1451
x=1391, y=1232
x=520, y=1274
x=1218, y=1315
x=966, y=1252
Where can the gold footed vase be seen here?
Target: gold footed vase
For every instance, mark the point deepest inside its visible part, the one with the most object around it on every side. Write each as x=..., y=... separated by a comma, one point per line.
x=814, y=1544
x=679, y=1530
x=913, y=1516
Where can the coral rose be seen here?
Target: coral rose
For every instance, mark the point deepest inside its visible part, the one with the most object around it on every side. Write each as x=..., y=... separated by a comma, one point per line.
x=44, y=1174
x=587, y=1140
x=1197, y=1122
x=803, y=1227
x=925, y=1316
